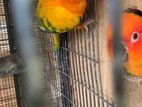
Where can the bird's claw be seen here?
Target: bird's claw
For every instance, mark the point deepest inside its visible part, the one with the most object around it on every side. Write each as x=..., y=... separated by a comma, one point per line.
x=85, y=24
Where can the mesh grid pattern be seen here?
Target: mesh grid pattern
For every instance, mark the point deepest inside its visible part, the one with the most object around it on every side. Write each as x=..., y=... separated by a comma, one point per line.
x=4, y=44
x=7, y=92
x=72, y=77
x=7, y=87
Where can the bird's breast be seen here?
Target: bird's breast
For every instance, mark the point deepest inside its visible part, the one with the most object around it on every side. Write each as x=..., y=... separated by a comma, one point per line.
x=58, y=19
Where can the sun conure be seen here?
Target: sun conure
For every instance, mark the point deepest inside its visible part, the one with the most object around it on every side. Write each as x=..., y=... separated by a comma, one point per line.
x=59, y=16
x=131, y=35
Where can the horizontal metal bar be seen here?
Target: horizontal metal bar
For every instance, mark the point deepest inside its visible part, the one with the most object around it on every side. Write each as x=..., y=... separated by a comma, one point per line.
x=6, y=88
x=4, y=39
x=61, y=92
x=7, y=99
x=73, y=51
x=91, y=90
x=85, y=56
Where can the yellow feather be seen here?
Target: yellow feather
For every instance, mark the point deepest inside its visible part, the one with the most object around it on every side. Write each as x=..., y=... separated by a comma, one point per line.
x=61, y=19
x=59, y=16
x=57, y=41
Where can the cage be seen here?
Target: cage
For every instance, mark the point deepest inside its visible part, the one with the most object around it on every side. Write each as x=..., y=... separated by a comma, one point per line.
x=7, y=82
x=72, y=77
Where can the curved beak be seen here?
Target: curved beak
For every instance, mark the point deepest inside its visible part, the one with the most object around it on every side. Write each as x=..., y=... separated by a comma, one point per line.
x=124, y=52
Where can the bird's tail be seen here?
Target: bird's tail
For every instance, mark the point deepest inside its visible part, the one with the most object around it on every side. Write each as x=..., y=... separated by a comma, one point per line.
x=57, y=41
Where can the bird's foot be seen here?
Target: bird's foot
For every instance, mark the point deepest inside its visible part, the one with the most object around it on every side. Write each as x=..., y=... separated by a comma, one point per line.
x=85, y=24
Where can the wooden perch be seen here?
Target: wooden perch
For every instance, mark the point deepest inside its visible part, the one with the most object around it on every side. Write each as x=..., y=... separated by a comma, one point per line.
x=11, y=64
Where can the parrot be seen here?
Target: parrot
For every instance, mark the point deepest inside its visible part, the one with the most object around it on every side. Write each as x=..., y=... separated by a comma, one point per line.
x=59, y=16
x=131, y=36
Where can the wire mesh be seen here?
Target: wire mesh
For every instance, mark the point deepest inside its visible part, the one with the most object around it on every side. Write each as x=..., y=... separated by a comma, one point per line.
x=72, y=76
x=4, y=44
x=7, y=84
x=7, y=92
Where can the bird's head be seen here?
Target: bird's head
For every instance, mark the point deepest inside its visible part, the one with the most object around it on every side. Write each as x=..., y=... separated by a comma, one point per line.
x=131, y=34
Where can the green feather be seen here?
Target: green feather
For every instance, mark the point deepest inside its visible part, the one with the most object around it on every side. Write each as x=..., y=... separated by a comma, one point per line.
x=57, y=41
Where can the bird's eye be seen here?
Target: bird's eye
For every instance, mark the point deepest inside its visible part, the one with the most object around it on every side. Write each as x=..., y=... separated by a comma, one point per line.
x=135, y=37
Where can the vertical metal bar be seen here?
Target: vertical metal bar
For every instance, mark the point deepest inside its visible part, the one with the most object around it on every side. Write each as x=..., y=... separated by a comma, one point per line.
x=86, y=61
x=64, y=62
x=93, y=64
x=80, y=70
x=100, y=93
x=84, y=92
x=17, y=90
x=5, y=87
x=9, y=91
x=95, y=78
x=77, y=66
x=9, y=25
x=75, y=71
x=22, y=10
x=90, y=14
x=91, y=71
x=115, y=10
x=73, y=87
x=63, y=80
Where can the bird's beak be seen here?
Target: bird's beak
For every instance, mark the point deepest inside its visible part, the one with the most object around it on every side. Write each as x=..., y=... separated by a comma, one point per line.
x=124, y=52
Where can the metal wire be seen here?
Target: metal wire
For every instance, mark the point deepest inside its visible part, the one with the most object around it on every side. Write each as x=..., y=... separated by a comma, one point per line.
x=8, y=96
x=71, y=77
x=33, y=63
x=4, y=44
x=7, y=92
x=115, y=7
x=75, y=71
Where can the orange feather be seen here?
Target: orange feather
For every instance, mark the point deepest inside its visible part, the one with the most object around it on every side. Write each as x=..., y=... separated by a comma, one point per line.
x=131, y=34
x=75, y=6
